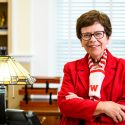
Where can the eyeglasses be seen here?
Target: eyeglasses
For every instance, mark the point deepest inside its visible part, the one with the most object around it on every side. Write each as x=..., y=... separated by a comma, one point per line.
x=97, y=35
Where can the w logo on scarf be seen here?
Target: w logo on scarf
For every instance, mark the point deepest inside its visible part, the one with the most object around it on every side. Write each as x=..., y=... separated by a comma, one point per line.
x=96, y=77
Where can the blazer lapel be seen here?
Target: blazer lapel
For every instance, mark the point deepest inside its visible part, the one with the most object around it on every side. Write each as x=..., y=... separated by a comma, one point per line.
x=83, y=72
x=109, y=69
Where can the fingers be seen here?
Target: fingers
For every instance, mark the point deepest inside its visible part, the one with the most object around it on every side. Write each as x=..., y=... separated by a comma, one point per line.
x=119, y=117
x=114, y=110
x=72, y=95
x=122, y=107
x=122, y=114
x=115, y=118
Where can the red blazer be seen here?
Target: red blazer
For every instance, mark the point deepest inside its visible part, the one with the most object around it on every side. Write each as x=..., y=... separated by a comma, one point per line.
x=76, y=80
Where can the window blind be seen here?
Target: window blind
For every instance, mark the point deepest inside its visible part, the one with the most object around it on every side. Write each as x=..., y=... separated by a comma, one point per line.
x=68, y=47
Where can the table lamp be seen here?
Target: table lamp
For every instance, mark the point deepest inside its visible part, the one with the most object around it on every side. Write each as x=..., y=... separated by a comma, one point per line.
x=11, y=73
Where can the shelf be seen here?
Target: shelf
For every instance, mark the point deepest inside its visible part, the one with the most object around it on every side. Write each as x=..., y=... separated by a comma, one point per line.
x=38, y=104
x=4, y=21
x=44, y=79
x=38, y=91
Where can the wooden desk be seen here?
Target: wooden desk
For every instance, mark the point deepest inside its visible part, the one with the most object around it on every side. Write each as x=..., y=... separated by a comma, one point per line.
x=48, y=117
x=48, y=112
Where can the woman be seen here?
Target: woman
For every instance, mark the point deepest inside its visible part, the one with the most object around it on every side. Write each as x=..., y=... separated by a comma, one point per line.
x=93, y=88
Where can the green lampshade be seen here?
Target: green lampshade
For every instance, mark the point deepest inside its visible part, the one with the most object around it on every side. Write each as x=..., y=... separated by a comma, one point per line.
x=11, y=72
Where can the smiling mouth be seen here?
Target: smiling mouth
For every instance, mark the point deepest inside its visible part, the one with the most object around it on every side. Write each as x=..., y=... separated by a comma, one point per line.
x=94, y=46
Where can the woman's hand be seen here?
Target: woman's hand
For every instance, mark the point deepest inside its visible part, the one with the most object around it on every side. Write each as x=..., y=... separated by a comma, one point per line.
x=72, y=95
x=111, y=109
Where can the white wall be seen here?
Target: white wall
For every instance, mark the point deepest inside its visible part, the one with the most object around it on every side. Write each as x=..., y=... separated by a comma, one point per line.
x=42, y=38
x=32, y=34
x=21, y=27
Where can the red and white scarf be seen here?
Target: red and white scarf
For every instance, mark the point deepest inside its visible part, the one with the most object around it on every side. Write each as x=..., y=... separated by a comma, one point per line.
x=97, y=74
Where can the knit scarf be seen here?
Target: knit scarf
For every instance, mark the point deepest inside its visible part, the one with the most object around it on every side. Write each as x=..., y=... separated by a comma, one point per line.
x=97, y=74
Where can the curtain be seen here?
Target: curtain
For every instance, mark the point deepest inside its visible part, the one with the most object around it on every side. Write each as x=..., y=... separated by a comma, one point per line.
x=68, y=47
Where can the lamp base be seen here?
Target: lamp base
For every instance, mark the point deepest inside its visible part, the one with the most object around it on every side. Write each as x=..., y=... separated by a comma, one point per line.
x=2, y=105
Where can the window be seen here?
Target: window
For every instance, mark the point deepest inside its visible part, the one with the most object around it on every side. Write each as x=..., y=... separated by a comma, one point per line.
x=68, y=47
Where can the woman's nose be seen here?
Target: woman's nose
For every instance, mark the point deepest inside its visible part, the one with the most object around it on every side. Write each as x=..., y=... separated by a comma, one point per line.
x=93, y=38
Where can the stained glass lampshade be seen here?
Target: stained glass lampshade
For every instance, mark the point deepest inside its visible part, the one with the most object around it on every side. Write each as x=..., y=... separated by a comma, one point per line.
x=11, y=72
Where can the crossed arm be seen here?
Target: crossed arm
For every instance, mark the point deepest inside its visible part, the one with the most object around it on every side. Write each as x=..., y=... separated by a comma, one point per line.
x=110, y=108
